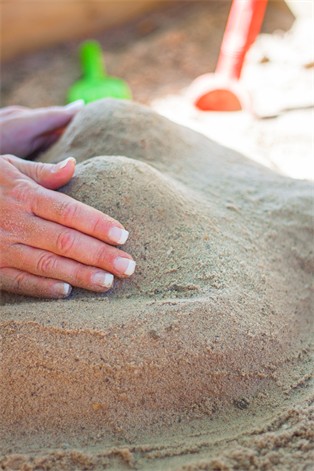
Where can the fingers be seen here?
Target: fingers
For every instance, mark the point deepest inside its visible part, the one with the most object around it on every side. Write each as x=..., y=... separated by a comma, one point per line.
x=48, y=265
x=44, y=141
x=48, y=175
x=11, y=110
x=24, y=130
x=65, y=210
x=20, y=282
x=74, y=245
x=51, y=242
x=45, y=120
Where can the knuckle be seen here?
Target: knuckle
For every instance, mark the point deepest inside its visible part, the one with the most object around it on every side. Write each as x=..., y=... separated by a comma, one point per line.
x=9, y=157
x=65, y=241
x=19, y=281
x=22, y=190
x=97, y=225
x=102, y=255
x=5, y=250
x=68, y=211
x=46, y=263
x=3, y=278
x=79, y=276
x=38, y=169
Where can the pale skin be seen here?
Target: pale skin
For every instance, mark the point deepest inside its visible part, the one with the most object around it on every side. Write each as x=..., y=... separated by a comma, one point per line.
x=50, y=242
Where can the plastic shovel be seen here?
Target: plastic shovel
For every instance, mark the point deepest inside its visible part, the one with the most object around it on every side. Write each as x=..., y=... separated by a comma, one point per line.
x=222, y=91
x=95, y=84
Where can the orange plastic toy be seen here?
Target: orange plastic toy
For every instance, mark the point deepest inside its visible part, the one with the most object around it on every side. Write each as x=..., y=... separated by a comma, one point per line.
x=222, y=91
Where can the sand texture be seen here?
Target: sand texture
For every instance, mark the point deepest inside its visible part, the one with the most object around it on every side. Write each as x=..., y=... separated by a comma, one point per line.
x=202, y=359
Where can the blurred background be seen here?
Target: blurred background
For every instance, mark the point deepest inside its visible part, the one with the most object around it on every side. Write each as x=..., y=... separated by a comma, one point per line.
x=159, y=47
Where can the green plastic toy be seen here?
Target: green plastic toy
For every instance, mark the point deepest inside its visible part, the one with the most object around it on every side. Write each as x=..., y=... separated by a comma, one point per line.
x=95, y=84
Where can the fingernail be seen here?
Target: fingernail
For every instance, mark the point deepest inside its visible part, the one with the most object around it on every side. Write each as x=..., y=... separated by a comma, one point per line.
x=117, y=235
x=63, y=289
x=103, y=279
x=125, y=266
x=63, y=164
x=75, y=105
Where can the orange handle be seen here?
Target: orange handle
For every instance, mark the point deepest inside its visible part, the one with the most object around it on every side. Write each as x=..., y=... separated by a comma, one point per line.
x=243, y=25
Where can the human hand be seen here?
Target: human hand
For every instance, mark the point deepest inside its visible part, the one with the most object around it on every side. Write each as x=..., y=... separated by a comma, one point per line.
x=49, y=241
x=25, y=130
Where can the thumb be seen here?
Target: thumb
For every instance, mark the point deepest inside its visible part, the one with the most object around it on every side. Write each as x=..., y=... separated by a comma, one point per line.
x=51, y=176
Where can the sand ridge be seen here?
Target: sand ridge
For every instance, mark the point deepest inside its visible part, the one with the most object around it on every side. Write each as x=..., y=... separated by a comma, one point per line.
x=220, y=303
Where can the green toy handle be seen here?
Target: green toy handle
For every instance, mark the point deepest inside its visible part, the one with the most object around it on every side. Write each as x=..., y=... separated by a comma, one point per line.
x=92, y=60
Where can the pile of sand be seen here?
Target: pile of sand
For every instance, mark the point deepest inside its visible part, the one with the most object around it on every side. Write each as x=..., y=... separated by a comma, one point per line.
x=216, y=321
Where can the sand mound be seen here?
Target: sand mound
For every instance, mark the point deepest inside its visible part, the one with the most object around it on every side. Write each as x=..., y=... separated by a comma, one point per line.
x=220, y=302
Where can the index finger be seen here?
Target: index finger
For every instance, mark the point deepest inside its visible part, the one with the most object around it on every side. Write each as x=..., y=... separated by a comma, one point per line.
x=69, y=212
